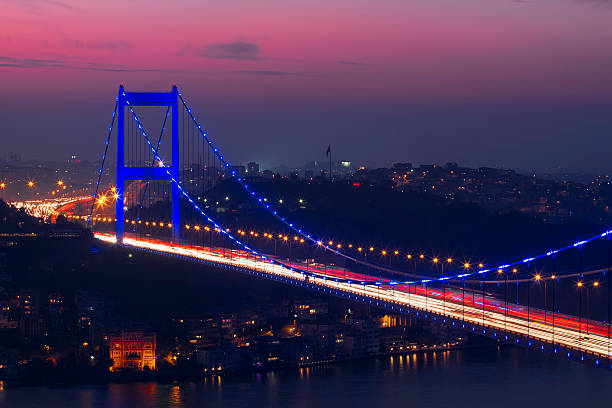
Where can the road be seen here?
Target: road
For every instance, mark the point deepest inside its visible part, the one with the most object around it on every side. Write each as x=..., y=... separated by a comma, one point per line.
x=485, y=313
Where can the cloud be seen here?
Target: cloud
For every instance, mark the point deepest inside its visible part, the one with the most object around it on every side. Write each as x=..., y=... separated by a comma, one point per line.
x=267, y=73
x=237, y=50
x=36, y=6
x=596, y=2
x=31, y=63
x=354, y=63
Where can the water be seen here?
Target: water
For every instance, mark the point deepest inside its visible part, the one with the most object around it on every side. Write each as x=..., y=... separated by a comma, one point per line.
x=469, y=378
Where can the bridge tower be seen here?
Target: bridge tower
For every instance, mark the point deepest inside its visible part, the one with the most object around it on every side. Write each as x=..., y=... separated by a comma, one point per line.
x=129, y=173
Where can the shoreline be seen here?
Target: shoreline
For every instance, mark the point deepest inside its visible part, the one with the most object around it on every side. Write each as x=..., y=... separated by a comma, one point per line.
x=169, y=376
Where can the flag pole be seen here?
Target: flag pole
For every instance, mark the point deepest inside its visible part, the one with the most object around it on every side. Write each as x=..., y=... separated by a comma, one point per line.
x=330, y=173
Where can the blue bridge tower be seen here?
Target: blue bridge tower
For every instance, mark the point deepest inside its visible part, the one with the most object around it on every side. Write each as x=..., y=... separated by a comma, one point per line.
x=130, y=173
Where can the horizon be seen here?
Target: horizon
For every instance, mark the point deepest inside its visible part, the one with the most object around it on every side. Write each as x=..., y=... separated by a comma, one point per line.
x=324, y=163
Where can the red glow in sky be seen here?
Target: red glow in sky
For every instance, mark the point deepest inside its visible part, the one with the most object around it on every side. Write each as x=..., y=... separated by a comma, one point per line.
x=303, y=56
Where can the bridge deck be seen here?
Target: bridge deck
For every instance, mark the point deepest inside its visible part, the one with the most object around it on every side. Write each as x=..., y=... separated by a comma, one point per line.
x=582, y=336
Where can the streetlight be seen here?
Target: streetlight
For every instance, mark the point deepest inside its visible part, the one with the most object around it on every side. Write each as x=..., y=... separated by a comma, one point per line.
x=101, y=200
x=579, y=285
x=514, y=272
x=588, y=305
x=449, y=261
x=467, y=267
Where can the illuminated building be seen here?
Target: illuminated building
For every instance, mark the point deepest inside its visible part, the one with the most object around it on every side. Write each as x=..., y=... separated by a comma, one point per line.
x=132, y=350
x=310, y=308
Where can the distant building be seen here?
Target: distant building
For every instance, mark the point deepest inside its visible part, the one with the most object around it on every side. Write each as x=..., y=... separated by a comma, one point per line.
x=309, y=308
x=56, y=310
x=267, y=174
x=402, y=167
x=225, y=358
x=253, y=169
x=91, y=307
x=26, y=302
x=362, y=339
x=132, y=350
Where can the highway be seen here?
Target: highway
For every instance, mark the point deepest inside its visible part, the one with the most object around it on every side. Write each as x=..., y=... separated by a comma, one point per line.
x=483, y=314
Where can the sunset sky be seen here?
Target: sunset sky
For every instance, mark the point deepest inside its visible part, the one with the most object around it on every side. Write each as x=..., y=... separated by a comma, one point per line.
x=524, y=84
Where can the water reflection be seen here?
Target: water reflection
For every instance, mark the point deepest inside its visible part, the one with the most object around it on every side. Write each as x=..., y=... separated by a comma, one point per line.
x=175, y=397
x=441, y=378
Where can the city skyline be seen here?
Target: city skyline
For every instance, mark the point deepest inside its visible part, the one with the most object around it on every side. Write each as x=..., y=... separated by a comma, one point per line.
x=520, y=85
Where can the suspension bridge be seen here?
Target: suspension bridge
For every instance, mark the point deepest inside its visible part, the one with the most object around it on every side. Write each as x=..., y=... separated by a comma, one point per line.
x=162, y=184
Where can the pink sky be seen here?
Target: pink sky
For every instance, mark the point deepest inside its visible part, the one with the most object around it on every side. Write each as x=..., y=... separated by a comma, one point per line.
x=241, y=52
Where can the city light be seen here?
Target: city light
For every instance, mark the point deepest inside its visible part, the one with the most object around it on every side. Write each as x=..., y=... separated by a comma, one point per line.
x=30, y=184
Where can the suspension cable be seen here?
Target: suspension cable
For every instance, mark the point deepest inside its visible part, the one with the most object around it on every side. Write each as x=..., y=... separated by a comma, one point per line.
x=320, y=243
x=110, y=131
